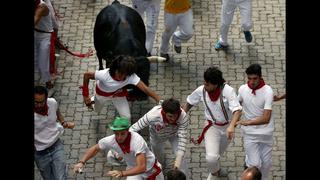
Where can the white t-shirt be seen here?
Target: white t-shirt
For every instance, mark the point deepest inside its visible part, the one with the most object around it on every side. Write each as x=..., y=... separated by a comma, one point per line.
x=106, y=83
x=163, y=131
x=46, y=131
x=230, y=101
x=137, y=145
x=253, y=107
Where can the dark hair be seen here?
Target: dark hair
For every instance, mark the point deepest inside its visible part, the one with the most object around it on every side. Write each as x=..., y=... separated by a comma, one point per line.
x=41, y=90
x=254, y=69
x=124, y=64
x=171, y=106
x=214, y=76
x=176, y=174
x=255, y=173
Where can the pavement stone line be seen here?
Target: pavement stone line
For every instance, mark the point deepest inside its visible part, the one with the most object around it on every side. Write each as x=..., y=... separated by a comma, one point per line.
x=177, y=78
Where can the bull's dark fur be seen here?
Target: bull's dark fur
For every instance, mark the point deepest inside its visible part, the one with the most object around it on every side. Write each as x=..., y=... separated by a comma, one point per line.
x=120, y=30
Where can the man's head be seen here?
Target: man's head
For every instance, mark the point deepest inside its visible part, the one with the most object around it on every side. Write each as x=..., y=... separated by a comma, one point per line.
x=254, y=74
x=251, y=173
x=172, y=110
x=175, y=174
x=122, y=66
x=40, y=97
x=120, y=127
x=213, y=79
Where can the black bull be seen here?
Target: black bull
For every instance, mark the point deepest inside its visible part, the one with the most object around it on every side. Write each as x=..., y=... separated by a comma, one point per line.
x=120, y=30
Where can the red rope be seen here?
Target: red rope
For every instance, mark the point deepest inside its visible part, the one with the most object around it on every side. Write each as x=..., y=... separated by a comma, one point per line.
x=78, y=54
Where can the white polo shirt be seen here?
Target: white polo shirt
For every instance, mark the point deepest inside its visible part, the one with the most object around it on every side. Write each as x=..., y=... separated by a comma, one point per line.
x=253, y=107
x=106, y=83
x=46, y=131
x=163, y=131
x=137, y=145
x=230, y=101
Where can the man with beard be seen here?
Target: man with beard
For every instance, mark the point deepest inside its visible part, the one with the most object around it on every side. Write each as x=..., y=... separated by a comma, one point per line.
x=49, y=150
x=257, y=128
x=141, y=162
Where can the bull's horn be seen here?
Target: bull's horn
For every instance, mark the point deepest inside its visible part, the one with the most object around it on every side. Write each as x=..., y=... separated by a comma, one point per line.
x=156, y=59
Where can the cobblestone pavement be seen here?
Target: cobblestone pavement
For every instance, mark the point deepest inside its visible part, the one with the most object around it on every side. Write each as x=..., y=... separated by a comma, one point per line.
x=178, y=78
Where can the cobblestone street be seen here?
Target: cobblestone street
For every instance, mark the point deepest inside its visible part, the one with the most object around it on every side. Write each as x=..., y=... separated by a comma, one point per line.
x=177, y=78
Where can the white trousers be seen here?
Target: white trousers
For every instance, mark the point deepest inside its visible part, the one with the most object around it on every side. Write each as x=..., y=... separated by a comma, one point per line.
x=42, y=55
x=157, y=147
x=171, y=21
x=258, y=150
x=149, y=173
x=227, y=11
x=120, y=103
x=216, y=143
x=151, y=8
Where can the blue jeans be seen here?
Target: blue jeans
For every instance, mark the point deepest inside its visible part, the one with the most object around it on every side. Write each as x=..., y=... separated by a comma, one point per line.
x=51, y=162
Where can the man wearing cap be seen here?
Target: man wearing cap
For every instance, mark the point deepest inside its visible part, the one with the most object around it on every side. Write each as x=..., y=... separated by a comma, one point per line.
x=141, y=162
x=222, y=111
x=48, y=126
x=166, y=122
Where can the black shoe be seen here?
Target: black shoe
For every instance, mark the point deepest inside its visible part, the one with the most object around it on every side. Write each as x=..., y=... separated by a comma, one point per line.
x=149, y=54
x=245, y=166
x=165, y=56
x=177, y=49
x=247, y=36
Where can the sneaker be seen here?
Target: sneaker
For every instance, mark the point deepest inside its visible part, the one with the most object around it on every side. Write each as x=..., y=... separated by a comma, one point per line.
x=165, y=56
x=212, y=177
x=219, y=46
x=177, y=49
x=248, y=36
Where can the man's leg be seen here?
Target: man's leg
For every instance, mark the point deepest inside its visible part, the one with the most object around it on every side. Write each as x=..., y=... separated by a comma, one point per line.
x=185, y=23
x=43, y=164
x=246, y=15
x=227, y=12
x=252, y=151
x=43, y=55
x=170, y=26
x=58, y=162
x=152, y=13
x=157, y=148
x=266, y=156
x=122, y=106
x=212, y=144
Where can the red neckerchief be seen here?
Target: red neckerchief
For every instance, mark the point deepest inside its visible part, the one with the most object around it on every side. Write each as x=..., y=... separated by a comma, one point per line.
x=114, y=78
x=260, y=85
x=165, y=120
x=43, y=112
x=125, y=146
x=36, y=3
x=215, y=94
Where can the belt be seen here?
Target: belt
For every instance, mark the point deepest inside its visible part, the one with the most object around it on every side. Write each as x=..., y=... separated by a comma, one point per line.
x=220, y=124
x=49, y=149
x=118, y=93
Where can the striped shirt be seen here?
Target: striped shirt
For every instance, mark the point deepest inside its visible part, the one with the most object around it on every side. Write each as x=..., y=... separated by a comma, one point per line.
x=163, y=131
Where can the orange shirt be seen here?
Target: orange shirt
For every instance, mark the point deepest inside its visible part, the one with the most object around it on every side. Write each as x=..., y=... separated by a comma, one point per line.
x=176, y=6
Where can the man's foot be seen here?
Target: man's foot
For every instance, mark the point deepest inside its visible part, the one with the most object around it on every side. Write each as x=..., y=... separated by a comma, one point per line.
x=177, y=49
x=149, y=54
x=219, y=46
x=165, y=56
x=212, y=177
x=248, y=36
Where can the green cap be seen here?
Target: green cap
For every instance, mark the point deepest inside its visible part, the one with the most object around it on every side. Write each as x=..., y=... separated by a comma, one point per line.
x=120, y=123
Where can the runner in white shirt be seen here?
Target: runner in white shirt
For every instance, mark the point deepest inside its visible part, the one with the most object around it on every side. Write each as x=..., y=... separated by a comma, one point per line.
x=221, y=107
x=110, y=83
x=256, y=98
x=48, y=126
x=166, y=122
x=141, y=162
